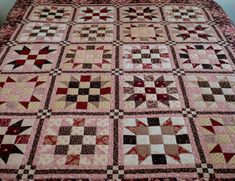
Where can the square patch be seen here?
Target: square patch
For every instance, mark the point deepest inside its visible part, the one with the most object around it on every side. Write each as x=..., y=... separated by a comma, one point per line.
x=192, y=33
x=211, y=92
x=23, y=93
x=142, y=32
x=218, y=134
x=74, y=142
x=92, y=33
x=156, y=141
x=150, y=92
x=31, y=58
x=51, y=13
x=42, y=32
x=95, y=14
x=15, y=136
x=146, y=57
x=184, y=14
x=203, y=57
x=140, y=14
x=82, y=92
x=88, y=57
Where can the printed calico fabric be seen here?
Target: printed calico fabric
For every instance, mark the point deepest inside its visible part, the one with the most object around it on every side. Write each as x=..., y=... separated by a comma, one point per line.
x=103, y=90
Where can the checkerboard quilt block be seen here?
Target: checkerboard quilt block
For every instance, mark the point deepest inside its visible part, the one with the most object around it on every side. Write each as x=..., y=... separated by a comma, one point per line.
x=117, y=90
x=51, y=13
x=42, y=32
x=212, y=92
x=146, y=57
x=84, y=92
x=75, y=141
x=92, y=33
x=184, y=14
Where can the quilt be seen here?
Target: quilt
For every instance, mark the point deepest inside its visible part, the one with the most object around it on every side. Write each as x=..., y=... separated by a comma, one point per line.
x=117, y=90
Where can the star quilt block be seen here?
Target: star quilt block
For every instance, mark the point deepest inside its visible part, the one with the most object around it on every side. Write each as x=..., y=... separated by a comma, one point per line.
x=142, y=32
x=203, y=57
x=23, y=93
x=193, y=33
x=150, y=92
x=15, y=137
x=95, y=14
x=156, y=141
x=88, y=57
x=217, y=134
x=140, y=14
x=29, y=58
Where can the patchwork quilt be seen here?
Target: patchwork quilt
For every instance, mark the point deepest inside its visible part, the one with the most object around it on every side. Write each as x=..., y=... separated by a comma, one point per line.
x=117, y=90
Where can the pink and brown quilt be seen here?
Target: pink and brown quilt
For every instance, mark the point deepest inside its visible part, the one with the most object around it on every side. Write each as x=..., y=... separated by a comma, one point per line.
x=117, y=90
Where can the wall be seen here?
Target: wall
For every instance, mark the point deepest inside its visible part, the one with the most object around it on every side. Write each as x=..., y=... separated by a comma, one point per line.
x=229, y=7
x=5, y=6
